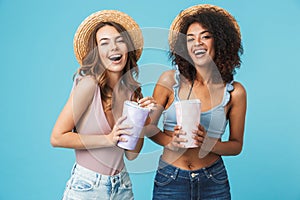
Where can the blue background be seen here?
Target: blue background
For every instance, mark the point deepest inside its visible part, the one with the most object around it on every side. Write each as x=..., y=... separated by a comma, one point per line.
x=38, y=63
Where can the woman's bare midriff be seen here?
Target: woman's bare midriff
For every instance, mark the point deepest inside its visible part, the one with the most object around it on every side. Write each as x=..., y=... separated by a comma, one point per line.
x=188, y=159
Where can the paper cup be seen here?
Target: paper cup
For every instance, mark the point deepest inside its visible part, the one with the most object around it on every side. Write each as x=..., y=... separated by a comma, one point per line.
x=136, y=117
x=188, y=117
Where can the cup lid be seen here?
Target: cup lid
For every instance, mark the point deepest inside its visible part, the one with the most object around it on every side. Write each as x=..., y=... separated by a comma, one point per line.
x=135, y=105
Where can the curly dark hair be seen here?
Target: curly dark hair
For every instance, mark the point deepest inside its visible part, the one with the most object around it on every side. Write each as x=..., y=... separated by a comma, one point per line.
x=227, y=43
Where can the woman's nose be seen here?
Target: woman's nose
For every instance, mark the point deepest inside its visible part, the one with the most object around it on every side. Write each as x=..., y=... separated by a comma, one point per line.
x=198, y=41
x=114, y=45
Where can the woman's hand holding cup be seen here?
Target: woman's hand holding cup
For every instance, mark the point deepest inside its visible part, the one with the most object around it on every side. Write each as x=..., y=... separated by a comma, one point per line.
x=199, y=135
x=147, y=102
x=119, y=129
x=177, y=142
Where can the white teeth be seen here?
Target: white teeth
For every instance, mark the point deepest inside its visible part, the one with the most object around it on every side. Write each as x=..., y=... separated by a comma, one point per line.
x=115, y=57
x=200, y=51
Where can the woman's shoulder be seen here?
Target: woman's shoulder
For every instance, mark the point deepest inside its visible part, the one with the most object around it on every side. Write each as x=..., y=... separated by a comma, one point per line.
x=89, y=79
x=85, y=80
x=239, y=91
x=167, y=78
x=85, y=84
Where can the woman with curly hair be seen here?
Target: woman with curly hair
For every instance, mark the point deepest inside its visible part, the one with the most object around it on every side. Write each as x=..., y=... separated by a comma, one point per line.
x=205, y=46
x=107, y=45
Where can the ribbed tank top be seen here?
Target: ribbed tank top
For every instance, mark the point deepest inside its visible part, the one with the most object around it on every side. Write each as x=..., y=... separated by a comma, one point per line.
x=108, y=160
x=213, y=120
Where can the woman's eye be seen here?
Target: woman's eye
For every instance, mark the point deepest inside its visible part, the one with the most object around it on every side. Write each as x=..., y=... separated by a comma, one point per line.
x=120, y=40
x=190, y=39
x=206, y=37
x=104, y=43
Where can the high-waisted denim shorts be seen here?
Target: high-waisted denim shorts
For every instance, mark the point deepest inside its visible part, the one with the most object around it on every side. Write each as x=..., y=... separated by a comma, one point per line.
x=87, y=184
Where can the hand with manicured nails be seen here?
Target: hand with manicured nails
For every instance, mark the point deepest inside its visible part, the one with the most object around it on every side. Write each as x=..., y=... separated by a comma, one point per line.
x=199, y=135
x=119, y=129
x=178, y=142
x=148, y=102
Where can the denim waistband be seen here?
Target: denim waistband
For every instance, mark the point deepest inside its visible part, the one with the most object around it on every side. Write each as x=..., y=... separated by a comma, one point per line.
x=87, y=173
x=173, y=171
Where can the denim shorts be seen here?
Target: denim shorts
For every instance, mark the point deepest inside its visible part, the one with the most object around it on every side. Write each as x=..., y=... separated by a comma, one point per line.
x=86, y=184
x=203, y=184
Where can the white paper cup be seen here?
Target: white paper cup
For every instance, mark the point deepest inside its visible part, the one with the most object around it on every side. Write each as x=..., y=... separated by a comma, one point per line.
x=188, y=117
x=136, y=117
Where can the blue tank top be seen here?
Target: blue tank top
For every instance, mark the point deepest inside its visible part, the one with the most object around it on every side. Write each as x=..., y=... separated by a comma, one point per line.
x=213, y=120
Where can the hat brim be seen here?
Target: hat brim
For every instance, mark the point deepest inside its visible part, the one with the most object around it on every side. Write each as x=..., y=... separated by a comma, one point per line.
x=175, y=26
x=86, y=28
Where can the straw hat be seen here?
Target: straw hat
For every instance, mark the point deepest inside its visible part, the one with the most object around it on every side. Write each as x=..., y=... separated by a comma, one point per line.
x=177, y=22
x=85, y=29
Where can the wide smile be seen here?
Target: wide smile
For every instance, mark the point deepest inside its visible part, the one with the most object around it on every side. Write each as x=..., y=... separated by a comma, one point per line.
x=116, y=58
x=199, y=52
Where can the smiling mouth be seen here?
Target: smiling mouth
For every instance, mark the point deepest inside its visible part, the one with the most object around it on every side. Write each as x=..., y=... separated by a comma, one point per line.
x=199, y=52
x=116, y=57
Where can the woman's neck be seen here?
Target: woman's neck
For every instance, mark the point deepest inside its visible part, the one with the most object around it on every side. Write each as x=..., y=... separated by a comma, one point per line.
x=113, y=79
x=203, y=75
x=208, y=74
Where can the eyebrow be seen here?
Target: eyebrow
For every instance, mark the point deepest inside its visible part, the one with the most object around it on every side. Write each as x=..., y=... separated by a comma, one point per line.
x=120, y=36
x=200, y=33
x=103, y=39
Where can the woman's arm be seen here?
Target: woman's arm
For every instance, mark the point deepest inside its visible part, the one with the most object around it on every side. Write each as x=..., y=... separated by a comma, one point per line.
x=161, y=94
x=237, y=113
x=132, y=154
x=154, y=133
x=78, y=102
